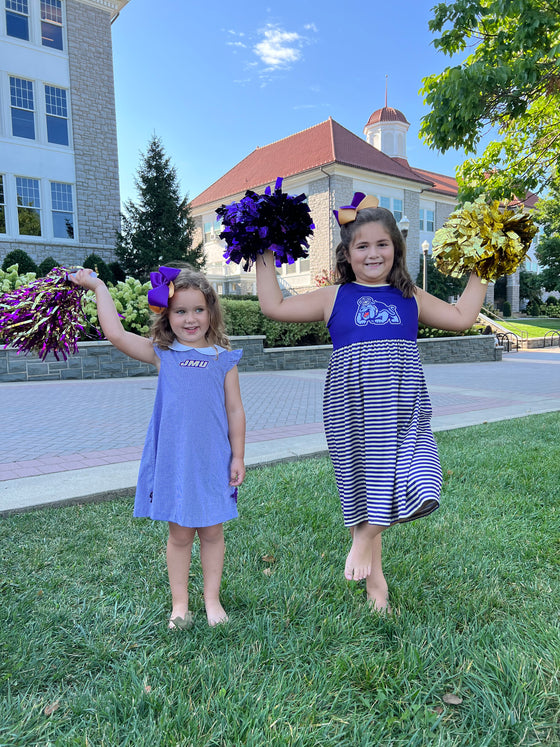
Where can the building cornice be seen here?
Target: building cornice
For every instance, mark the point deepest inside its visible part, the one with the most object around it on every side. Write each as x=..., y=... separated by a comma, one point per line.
x=113, y=7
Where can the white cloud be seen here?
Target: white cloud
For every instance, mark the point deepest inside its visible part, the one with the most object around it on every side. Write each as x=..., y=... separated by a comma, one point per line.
x=279, y=48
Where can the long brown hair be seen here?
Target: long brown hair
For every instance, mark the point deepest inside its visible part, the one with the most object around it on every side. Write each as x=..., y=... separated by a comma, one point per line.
x=161, y=332
x=399, y=276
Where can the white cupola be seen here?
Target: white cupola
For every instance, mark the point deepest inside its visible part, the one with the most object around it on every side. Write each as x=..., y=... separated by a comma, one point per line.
x=386, y=130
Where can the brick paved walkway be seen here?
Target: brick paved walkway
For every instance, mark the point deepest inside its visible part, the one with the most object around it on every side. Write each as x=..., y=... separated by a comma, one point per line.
x=51, y=427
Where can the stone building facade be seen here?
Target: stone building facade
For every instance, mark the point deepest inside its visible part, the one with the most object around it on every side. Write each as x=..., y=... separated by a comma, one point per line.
x=59, y=190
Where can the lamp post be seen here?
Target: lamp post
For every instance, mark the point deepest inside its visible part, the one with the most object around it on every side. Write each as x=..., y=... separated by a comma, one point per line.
x=425, y=249
x=404, y=225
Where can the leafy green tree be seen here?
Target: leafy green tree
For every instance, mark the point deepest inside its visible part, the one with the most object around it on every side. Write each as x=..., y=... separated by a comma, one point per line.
x=547, y=215
x=510, y=81
x=440, y=285
x=530, y=286
x=548, y=254
x=159, y=228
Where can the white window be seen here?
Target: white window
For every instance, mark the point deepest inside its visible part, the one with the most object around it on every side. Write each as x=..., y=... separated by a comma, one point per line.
x=2, y=206
x=62, y=210
x=299, y=266
x=426, y=220
x=17, y=19
x=393, y=204
x=23, y=108
x=57, y=115
x=212, y=230
x=51, y=24
x=29, y=206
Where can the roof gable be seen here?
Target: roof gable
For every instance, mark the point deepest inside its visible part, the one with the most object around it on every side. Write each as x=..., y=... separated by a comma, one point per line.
x=323, y=144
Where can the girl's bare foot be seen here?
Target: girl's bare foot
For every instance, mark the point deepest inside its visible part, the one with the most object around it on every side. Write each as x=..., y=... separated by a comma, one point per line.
x=216, y=614
x=378, y=599
x=358, y=562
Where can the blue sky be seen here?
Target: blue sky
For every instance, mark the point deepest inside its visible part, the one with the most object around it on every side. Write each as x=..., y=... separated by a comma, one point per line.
x=216, y=79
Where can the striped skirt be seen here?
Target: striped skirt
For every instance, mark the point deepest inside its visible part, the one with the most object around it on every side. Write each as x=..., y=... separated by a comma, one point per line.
x=377, y=414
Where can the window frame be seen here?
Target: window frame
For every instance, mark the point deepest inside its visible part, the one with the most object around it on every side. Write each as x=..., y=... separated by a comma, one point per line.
x=53, y=117
x=424, y=220
x=61, y=210
x=36, y=209
x=49, y=22
x=14, y=107
x=20, y=14
x=3, y=217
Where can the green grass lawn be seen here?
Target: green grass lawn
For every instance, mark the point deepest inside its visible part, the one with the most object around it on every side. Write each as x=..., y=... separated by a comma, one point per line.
x=533, y=327
x=86, y=657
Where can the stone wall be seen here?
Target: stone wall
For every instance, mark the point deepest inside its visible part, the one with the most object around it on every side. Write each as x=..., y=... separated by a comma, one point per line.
x=94, y=127
x=100, y=360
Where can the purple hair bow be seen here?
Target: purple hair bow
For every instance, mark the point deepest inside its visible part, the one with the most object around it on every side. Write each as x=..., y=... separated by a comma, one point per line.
x=347, y=213
x=162, y=288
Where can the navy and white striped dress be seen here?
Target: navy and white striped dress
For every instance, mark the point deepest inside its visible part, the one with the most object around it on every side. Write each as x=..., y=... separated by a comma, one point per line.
x=377, y=410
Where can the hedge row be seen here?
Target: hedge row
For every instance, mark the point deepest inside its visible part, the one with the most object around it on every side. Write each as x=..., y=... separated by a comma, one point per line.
x=242, y=317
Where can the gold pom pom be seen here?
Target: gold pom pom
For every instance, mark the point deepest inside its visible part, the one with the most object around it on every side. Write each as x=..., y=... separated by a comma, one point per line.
x=483, y=238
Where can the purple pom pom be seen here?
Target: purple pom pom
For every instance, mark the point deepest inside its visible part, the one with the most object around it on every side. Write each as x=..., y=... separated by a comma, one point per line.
x=44, y=317
x=274, y=220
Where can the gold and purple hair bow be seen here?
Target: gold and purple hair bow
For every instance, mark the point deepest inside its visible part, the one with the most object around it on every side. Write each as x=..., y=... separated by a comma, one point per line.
x=360, y=201
x=162, y=288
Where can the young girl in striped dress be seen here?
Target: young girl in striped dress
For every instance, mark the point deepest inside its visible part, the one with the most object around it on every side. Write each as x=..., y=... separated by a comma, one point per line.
x=376, y=406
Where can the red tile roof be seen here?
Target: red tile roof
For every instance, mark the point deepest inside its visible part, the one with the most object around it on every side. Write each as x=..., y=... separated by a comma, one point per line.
x=443, y=184
x=387, y=114
x=529, y=202
x=323, y=144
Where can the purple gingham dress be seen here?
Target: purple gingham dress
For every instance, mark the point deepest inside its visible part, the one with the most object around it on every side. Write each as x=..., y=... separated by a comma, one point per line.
x=184, y=471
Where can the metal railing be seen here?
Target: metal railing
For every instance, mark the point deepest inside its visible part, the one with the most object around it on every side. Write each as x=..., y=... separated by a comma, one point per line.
x=507, y=340
x=554, y=335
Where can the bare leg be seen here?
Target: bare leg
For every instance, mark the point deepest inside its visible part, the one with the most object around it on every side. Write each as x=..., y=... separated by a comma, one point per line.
x=179, y=548
x=212, y=551
x=358, y=562
x=376, y=585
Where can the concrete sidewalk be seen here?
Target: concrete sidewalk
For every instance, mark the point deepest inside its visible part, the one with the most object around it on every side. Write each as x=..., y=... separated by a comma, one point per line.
x=75, y=441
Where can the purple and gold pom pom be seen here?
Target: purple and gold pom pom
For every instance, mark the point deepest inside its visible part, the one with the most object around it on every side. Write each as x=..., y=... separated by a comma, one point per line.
x=274, y=220
x=483, y=238
x=44, y=317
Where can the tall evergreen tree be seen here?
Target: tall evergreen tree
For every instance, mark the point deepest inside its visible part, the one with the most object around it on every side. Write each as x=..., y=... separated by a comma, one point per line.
x=158, y=229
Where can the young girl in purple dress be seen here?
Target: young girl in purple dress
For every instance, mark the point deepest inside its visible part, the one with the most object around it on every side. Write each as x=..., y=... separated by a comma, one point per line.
x=192, y=463
x=376, y=406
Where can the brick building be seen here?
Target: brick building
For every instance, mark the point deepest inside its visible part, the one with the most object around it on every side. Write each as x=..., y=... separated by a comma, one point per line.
x=59, y=184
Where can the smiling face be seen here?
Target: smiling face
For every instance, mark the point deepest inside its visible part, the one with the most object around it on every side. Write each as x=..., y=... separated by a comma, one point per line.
x=371, y=253
x=189, y=317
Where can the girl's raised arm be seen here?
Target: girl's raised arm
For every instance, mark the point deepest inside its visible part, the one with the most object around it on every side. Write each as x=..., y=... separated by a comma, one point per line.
x=314, y=306
x=132, y=345
x=454, y=317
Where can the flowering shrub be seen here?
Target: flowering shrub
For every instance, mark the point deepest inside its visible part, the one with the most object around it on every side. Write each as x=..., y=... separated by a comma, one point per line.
x=131, y=301
x=10, y=279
